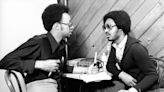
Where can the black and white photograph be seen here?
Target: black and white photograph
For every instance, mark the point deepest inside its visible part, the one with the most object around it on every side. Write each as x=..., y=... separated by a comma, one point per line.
x=82, y=45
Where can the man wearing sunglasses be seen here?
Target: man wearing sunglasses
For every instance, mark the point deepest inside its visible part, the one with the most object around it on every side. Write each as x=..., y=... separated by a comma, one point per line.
x=128, y=61
x=41, y=56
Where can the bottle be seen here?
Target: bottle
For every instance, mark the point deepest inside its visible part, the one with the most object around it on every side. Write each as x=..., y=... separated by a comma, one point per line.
x=93, y=65
x=104, y=59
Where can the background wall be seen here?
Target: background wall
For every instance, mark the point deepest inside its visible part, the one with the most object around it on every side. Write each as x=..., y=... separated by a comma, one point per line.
x=19, y=21
x=147, y=18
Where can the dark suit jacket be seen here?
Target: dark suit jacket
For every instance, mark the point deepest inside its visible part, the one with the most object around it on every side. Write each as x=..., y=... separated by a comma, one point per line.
x=40, y=47
x=135, y=62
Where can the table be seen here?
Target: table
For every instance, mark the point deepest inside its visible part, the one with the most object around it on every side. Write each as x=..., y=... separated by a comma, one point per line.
x=86, y=80
x=90, y=77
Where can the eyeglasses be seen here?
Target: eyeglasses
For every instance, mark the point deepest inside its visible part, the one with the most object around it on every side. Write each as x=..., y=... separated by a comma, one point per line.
x=108, y=27
x=68, y=24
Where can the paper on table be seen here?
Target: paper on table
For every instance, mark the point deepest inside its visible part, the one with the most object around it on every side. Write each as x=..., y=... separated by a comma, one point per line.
x=91, y=77
x=96, y=77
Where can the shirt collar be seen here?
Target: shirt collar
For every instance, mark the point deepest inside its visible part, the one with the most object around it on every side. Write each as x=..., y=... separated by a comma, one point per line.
x=53, y=42
x=121, y=44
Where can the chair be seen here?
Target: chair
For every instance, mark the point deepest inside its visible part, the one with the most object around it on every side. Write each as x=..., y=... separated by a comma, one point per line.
x=160, y=69
x=12, y=81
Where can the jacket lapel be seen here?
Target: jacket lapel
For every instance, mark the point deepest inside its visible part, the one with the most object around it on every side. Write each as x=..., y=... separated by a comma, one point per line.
x=129, y=42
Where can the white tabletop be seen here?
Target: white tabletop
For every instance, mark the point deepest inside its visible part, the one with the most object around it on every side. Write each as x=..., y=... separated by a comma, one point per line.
x=90, y=77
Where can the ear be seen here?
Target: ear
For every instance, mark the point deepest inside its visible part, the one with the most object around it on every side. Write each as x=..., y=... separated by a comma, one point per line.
x=56, y=26
x=121, y=31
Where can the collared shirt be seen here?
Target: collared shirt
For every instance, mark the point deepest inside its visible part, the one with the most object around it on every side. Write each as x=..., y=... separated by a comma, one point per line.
x=40, y=47
x=52, y=41
x=120, y=48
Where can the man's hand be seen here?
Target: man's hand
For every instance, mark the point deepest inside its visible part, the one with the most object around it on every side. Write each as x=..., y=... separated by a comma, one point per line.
x=127, y=79
x=47, y=65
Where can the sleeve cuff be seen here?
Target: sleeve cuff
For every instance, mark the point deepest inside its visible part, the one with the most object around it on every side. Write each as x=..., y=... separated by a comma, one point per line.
x=69, y=69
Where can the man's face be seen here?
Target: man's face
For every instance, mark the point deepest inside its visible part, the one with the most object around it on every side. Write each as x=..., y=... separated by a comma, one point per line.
x=111, y=30
x=66, y=25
